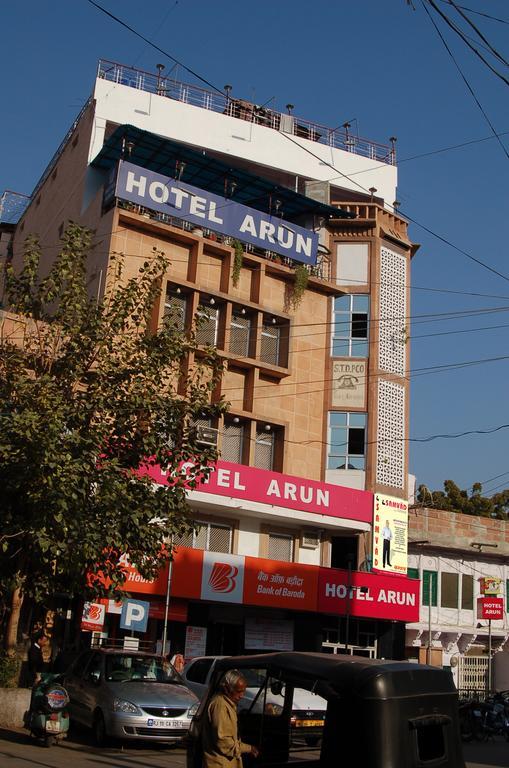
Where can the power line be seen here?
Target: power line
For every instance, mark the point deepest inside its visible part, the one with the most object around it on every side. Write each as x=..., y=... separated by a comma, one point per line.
x=463, y=77
x=478, y=32
x=479, y=13
x=156, y=47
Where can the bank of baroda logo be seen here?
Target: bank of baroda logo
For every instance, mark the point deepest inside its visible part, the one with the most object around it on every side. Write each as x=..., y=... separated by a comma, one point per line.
x=222, y=577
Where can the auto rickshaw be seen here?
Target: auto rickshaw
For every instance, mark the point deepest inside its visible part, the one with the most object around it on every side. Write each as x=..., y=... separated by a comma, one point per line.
x=380, y=714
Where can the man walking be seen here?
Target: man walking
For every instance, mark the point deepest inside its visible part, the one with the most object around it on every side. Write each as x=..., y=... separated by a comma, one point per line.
x=36, y=663
x=222, y=747
x=387, y=538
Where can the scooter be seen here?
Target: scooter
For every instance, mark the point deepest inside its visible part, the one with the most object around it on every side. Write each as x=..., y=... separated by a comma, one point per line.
x=48, y=718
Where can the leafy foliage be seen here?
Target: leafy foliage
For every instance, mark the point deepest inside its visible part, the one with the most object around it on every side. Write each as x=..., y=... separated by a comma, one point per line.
x=90, y=393
x=455, y=499
x=300, y=283
x=238, y=260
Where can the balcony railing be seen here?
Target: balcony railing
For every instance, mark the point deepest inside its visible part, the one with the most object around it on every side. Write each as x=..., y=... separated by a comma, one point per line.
x=321, y=270
x=245, y=110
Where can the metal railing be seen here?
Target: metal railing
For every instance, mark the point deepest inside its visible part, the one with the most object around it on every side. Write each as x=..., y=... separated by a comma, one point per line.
x=245, y=110
x=321, y=270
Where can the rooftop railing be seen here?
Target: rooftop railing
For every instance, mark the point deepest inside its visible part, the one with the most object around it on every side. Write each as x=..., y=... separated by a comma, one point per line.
x=215, y=101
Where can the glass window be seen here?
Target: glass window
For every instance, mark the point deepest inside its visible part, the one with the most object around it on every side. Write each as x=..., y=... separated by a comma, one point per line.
x=270, y=343
x=264, y=449
x=280, y=547
x=467, y=592
x=207, y=323
x=198, y=671
x=213, y=537
x=175, y=307
x=350, y=328
x=449, y=590
x=232, y=444
x=347, y=440
x=240, y=334
x=429, y=585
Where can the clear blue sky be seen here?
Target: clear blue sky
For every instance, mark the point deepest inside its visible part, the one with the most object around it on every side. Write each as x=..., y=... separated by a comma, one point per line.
x=377, y=63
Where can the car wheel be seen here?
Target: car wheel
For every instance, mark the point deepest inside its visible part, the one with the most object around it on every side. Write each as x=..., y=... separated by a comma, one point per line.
x=99, y=728
x=312, y=741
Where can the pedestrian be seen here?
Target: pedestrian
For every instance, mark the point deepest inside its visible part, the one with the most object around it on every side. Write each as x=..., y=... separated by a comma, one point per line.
x=178, y=662
x=36, y=663
x=222, y=747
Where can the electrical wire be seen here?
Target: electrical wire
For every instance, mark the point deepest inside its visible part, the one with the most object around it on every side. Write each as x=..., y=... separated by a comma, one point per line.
x=478, y=32
x=479, y=13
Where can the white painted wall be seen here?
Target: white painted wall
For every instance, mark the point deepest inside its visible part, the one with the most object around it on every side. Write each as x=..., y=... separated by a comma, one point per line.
x=231, y=136
x=249, y=538
x=350, y=478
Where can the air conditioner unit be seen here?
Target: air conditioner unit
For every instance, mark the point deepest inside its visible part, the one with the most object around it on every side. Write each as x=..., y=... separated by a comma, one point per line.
x=310, y=538
x=207, y=436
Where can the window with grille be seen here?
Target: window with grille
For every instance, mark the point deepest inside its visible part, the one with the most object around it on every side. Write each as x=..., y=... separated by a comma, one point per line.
x=207, y=323
x=347, y=440
x=467, y=592
x=280, y=547
x=429, y=587
x=264, y=449
x=449, y=590
x=270, y=350
x=233, y=439
x=214, y=537
x=350, y=327
x=175, y=306
x=240, y=334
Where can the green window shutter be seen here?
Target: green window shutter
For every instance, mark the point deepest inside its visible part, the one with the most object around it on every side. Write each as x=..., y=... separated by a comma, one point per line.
x=426, y=576
x=412, y=573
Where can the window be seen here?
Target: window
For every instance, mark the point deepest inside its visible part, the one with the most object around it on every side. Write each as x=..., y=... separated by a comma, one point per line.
x=207, y=322
x=467, y=592
x=449, y=590
x=233, y=442
x=264, y=449
x=412, y=573
x=350, y=326
x=429, y=585
x=347, y=440
x=280, y=547
x=198, y=671
x=213, y=537
x=240, y=334
x=175, y=307
x=270, y=350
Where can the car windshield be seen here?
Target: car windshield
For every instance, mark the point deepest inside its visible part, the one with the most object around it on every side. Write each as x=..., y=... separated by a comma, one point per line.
x=127, y=667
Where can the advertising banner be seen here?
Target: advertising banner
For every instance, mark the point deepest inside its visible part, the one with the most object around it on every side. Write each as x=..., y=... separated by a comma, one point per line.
x=196, y=642
x=275, y=488
x=490, y=585
x=349, y=383
x=280, y=585
x=491, y=608
x=390, y=534
x=268, y=634
x=92, y=619
x=369, y=595
x=174, y=198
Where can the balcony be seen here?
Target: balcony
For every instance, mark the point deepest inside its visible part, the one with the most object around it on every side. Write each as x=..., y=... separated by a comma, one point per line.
x=225, y=104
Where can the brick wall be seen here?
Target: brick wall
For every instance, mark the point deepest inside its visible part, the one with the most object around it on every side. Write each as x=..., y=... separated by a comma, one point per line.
x=457, y=531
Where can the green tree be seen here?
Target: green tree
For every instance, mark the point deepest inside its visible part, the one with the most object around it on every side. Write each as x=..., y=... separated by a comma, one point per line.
x=455, y=499
x=90, y=392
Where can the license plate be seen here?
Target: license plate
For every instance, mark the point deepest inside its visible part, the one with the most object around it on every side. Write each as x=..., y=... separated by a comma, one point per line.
x=309, y=723
x=53, y=725
x=167, y=723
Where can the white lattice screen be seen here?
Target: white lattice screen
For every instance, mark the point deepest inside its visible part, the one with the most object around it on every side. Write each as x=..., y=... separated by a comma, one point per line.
x=392, y=312
x=390, y=456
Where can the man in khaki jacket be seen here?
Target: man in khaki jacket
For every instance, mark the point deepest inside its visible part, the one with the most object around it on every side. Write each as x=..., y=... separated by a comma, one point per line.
x=222, y=747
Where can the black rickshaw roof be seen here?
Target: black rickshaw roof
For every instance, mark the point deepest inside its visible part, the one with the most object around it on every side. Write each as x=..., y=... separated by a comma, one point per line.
x=334, y=674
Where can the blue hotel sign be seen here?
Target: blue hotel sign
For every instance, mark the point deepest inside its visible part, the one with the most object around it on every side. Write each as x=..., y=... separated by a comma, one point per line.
x=164, y=194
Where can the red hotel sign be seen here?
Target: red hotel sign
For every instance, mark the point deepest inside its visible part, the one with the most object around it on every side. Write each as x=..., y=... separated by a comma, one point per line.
x=490, y=608
x=241, y=580
x=259, y=485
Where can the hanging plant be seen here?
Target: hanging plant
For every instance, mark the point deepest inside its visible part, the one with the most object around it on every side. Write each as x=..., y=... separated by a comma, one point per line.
x=300, y=283
x=238, y=259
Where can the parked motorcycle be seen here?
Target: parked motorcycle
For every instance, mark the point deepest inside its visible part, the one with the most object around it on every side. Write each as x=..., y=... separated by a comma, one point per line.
x=48, y=718
x=471, y=720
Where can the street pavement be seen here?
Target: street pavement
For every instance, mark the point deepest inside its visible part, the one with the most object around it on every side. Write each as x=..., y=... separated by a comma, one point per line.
x=17, y=750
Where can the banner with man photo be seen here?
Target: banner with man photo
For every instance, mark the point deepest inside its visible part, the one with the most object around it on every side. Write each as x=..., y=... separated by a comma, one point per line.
x=390, y=534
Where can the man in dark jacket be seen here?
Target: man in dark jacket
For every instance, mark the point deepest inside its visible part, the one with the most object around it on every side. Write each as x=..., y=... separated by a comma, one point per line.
x=36, y=663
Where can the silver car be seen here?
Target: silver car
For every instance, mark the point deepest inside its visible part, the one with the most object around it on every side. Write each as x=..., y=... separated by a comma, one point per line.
x=129, y=695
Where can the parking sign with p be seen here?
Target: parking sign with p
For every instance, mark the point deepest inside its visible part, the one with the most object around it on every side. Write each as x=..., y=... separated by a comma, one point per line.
x=134, y=615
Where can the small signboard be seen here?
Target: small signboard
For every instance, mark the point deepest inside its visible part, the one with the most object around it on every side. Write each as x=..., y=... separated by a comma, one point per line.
x=268, y=634
x=134, y=615
x=92, y=619
x=491, y=608
x=196, y=642
x=490, y=585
